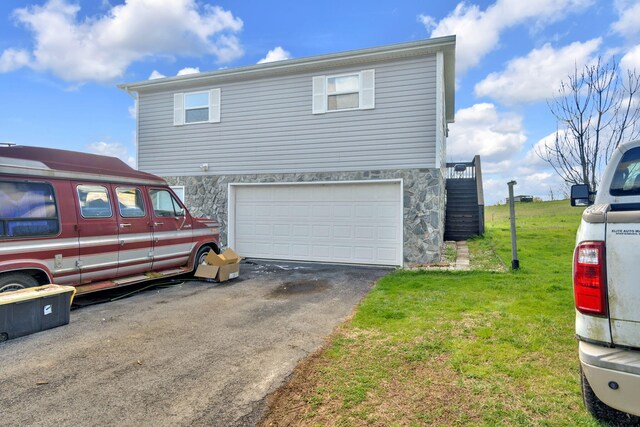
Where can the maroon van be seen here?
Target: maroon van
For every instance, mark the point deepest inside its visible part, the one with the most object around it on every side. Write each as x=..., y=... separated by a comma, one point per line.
x=92, y=222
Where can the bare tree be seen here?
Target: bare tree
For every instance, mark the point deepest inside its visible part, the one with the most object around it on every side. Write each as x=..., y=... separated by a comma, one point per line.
x=596, y=109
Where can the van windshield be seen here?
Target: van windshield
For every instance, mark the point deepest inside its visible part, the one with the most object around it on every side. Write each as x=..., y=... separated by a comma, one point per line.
x=27, y=209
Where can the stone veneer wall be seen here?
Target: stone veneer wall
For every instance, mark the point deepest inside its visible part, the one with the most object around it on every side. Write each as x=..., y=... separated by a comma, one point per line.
x=424, y=202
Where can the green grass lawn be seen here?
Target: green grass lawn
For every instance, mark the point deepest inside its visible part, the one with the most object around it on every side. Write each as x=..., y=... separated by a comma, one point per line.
x=457, y=348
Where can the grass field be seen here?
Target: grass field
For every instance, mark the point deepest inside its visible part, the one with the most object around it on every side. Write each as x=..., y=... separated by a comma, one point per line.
x=456, y=348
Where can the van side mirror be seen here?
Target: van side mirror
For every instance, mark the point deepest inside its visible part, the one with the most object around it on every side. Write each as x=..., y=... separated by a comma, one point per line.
x=580, y=195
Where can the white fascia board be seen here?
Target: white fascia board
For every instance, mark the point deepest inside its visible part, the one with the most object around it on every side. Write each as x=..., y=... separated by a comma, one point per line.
x=290, y=66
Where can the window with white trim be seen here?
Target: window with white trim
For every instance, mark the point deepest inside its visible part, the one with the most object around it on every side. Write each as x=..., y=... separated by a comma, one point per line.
x=349, y=91
x=343, y=92
x=196, y=107
x=179, y=191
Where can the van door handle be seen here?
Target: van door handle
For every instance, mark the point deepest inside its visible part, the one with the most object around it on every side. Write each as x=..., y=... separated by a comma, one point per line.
x=155, y=224
x=125, y=225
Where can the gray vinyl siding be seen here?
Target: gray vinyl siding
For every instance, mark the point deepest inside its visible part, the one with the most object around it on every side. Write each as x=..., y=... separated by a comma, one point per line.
x=267, y=126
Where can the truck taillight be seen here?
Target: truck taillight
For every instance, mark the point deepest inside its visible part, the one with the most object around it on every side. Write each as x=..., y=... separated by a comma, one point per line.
x=589, y=278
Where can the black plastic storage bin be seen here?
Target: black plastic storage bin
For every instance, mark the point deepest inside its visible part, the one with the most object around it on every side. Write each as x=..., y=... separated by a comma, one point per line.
x=32, y=310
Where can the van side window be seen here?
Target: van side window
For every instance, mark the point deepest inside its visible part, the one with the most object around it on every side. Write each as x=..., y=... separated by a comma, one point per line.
x=164, y=204
x=626, y=179
x=27, y=209
x=94, y=201
x=130, y=202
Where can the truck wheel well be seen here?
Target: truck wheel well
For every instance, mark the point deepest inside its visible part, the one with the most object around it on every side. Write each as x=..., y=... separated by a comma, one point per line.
x=40, y=276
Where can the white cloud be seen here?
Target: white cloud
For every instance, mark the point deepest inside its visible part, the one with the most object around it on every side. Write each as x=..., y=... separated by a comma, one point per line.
x=478, y=31
x=188, y=70
x=631, y=59
x=113, y=149
x=275, y=54
x=156, y=75
x=480, y=129
x=12, y=59
x=628, y=23
x=101, y=47
x=133, y=110
x=537, y=75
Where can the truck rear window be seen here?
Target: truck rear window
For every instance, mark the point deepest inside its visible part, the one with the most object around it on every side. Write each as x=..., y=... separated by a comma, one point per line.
x=626, y=179
x=27, y=209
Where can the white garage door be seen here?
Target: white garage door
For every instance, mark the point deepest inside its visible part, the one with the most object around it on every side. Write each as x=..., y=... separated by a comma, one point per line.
x=357, y=223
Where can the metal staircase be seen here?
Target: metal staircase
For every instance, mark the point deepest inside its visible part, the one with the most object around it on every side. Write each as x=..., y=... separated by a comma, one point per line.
x=465, y=200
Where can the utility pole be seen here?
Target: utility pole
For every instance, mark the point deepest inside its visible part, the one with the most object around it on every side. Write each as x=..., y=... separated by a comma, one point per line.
x=515, y=263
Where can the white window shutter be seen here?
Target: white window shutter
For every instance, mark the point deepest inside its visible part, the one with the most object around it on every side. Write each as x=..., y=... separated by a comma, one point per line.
x=319, y=95
x=214, y=105
x=367, y=89
x=178, y=109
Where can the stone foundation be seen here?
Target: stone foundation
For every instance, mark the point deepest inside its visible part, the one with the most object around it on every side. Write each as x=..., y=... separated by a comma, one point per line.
x=424, y=202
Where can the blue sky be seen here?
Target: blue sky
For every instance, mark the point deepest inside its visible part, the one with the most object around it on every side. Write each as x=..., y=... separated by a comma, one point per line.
x=60, y=61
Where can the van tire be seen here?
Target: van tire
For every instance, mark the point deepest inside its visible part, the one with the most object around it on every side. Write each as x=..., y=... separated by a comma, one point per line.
x=601, y=411
x=16, y=281
x=200, y=256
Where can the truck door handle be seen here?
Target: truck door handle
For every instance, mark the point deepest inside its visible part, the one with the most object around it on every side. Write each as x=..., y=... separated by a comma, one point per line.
x=155, y=224
x=125, y=225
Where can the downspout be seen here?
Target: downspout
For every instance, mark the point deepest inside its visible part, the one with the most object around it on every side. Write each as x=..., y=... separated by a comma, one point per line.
x=134, y=96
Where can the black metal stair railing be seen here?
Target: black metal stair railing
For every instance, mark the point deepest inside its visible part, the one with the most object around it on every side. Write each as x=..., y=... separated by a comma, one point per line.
x=465, y=200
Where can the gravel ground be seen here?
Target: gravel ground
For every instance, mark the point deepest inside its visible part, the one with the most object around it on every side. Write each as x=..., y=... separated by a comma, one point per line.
x=193, y=354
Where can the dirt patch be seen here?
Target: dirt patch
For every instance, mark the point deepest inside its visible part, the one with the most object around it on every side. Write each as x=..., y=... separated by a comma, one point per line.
x=300, y=287
x=423, y=392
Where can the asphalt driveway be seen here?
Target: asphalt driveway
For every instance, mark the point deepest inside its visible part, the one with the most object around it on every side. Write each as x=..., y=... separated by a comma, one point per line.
x=193, y=354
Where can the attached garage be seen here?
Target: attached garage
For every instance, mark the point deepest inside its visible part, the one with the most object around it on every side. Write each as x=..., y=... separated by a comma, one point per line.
x=345, y=222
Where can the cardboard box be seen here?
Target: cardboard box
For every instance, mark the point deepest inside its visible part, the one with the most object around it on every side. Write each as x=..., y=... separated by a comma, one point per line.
x=221, y=267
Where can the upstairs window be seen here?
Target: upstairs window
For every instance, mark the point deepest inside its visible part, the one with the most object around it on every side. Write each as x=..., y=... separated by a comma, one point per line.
x=196, y=107
x=352, y=91
x=343, y=92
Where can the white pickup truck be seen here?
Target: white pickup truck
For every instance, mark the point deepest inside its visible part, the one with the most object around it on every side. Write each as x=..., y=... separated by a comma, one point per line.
x=606, y=284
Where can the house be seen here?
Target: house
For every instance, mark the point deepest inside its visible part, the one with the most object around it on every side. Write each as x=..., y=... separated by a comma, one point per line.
x=523, y=198
x=334, y=158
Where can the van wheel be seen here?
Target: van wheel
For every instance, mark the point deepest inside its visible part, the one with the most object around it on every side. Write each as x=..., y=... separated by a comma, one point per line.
x=601, y=411
x=15, y=281
x=200, y=256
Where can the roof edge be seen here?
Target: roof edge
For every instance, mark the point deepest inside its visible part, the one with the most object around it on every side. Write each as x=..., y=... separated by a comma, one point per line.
x=446, y=44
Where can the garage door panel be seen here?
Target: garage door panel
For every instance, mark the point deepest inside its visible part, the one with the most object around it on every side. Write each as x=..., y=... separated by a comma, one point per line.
x=321, y=212
x=342, y=253
x=300, y=231
x=300, y=250
x=387, y=254
x=342, y=232
x=321, y=251
x=281, y=230
x=321, y=231
x=342, y=211
x=281, y=211
x=280, y=249
x=365, y=232
x=386, y=211
x=387, y=233
x=364, y=254
x=351, y=223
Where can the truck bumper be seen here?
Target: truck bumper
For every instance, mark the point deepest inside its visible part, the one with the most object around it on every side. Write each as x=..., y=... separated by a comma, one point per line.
x=605, y=368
